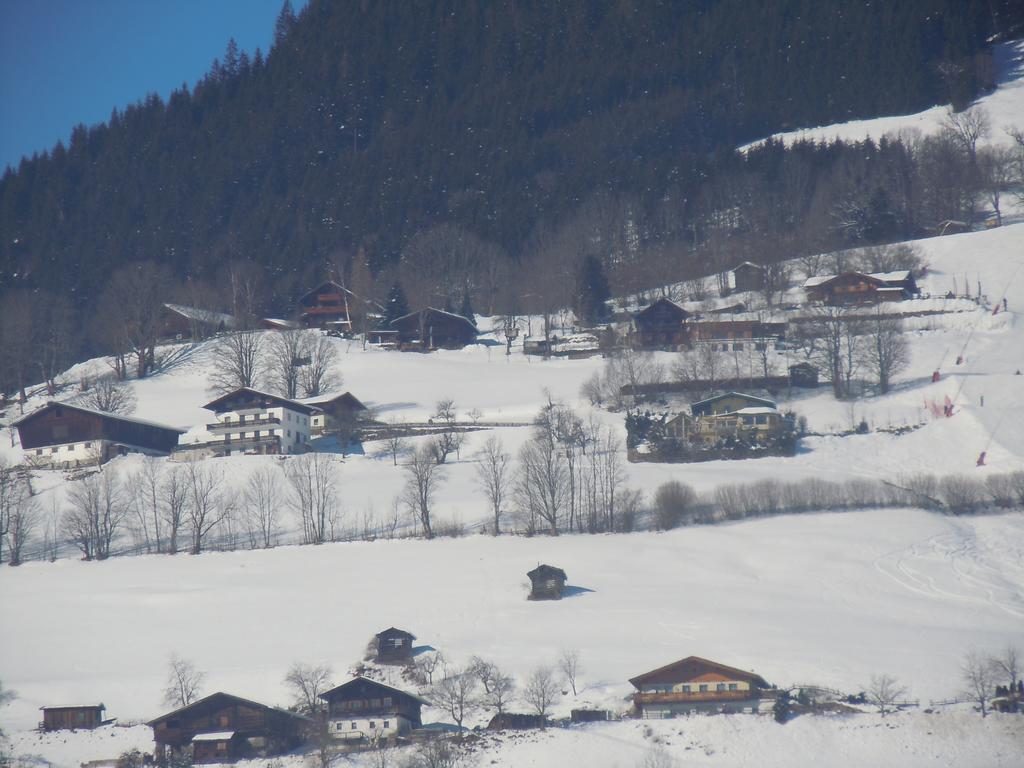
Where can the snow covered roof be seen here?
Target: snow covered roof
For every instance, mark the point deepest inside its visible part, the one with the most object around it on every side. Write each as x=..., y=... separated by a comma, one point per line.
x=94, y=412
x=331, y=397
x=463, y=318
x=203, y=315
x=892, y=277
x=215, y=736
x=886, y=277
x=295, y=405
x=327, y=695
x=752, y=398
x=753, y=411
x=74, y=706
x=224, y=696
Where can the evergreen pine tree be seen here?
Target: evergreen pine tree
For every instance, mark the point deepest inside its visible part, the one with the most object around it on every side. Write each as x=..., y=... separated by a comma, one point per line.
x=592, y=290
x=466, y=310
x=285, y=22
x=396, y=306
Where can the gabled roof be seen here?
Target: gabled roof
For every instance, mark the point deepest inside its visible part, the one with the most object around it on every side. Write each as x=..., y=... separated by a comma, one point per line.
x=819, y=280
x=231, y=698
x=333, y=397
x=662, y=302
x=397, y=632
x=692, y=667
x=546, y=571
x=74, y=706
x=328, y=695
x=207, y=316
x=92, y=411
x=213, y=405
x=705, y=401
x=339, y=287
x=435, y=310
x=747, y=264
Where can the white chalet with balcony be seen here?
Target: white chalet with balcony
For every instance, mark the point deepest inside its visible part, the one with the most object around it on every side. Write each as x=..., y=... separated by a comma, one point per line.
x=251, y=421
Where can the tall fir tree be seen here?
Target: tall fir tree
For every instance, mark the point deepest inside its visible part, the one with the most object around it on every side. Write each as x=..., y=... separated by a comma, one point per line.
x=592, y=290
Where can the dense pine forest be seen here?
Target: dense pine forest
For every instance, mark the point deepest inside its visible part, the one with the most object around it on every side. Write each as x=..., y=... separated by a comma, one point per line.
x=468, y=149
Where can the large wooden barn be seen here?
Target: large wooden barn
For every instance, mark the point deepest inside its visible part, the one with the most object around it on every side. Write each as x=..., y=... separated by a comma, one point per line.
x=329, y=306
x=861, y=288
x=363, y=709
x=66, y=435
x=335, y=412
x=431, y=328
x=222, y=728
x=661, y=325
x=693, y=685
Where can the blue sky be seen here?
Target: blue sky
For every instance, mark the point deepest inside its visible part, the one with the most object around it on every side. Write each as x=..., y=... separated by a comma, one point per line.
x=64, y=62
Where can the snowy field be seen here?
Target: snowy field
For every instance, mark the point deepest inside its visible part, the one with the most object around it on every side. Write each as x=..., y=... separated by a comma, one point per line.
x=1005, y=108
x=828, y=599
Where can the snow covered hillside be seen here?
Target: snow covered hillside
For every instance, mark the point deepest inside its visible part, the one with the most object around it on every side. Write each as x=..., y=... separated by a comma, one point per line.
x=1005, y=107
x=829, y=599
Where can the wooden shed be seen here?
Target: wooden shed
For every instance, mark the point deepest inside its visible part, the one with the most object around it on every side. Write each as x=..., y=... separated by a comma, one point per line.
x=68, y=717
x=394, y=646
x=748, y=276
x=546, y=583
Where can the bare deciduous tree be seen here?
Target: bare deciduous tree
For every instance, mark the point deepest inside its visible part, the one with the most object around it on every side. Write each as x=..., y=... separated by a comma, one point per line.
x=239, y=361
x=423, y=476
x=885, y=349
x=498, y=687
x=885, y=692
x=541, y=693
x=395, y=441
x=494, y=475
x=569, y=663
x=314, y=481
x=979, y=679
x=455, y=693
x=318, y=374
x=449, y=439
x=264, y=497
x=133, y=303
x=173, y=503
x=306, y=682
x=204, y=509
x=23, y=517
x=184, y=682
x=110, y=395
x=427, y=664
x=1007, y=665
x=285, y=355
x=672, y=501
x=967, y=128
x=98, y=510
x=999, y=172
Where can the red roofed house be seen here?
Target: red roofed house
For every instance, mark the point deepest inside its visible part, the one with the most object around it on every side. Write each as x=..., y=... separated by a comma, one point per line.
x=693, y=685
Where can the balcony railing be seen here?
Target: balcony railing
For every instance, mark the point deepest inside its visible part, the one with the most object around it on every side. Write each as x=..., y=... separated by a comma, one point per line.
x=239, y=426
x=678, y=696
x=270, y=444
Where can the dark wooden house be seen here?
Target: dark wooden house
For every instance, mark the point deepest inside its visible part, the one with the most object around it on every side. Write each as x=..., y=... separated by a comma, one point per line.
x=222, y=728
x=861, y=288
x=748, y=277
x=329, y=306
x=803, y=375
x=661, y=325
x=434, y=329
x=546, y=583
x=179, y=322
x=693, y=685
x=71, y=717
x=363, y=709
x=394, y=646
x=66, y=435
x=336, y=413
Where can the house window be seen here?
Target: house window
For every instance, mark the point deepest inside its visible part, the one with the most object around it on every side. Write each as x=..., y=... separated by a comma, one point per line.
x=686, y=689
x=387, y=701
x=341, y=726
x=354, y=726
x=703, y=688
x=372, y=725
x=737, y=347
x=39, y=451
x=224, y=720
x=54, y=450
x=374, y=703
x=387, y=724
x=733, y=687
x=720, y=687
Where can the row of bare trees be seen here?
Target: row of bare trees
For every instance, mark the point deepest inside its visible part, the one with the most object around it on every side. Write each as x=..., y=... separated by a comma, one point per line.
x=292, y=363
